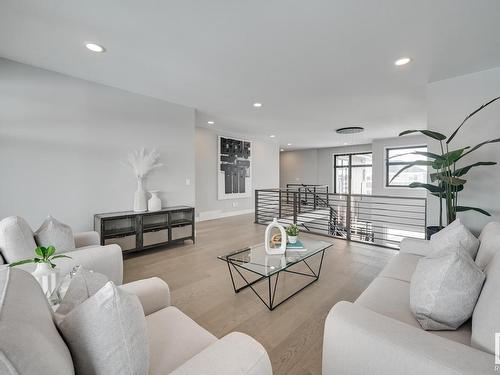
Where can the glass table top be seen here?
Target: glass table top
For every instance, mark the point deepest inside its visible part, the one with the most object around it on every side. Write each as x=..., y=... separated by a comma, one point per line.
x=255, y=258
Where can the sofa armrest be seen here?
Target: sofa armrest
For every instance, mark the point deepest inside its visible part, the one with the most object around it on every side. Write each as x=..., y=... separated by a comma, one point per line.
x=360, y=341
x=107, y=260
x=153, y=293
x=415, y=246
x=87, y=239
x=234, y=354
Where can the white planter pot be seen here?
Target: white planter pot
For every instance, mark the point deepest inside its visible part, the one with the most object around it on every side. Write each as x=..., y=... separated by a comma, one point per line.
x=47, y=277
x=292, y=239
x=140, y=197
x=154, y=203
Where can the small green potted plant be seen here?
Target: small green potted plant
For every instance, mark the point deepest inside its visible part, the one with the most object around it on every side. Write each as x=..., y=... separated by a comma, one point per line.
x=45, y=272
x=292, y=232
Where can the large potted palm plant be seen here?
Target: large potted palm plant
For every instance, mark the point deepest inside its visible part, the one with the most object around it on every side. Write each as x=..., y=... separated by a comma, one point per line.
x=448, y=177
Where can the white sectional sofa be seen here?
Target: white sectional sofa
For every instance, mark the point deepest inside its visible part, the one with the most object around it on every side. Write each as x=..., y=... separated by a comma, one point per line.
x=378, y=334
x=31, y=344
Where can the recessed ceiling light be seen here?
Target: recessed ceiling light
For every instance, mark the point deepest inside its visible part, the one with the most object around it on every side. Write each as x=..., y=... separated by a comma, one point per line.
x=402, y=61
x=288, y=144
x=95, y=47
x=210, y=122
x=281, y=149
x=257, y=105
x=346, y=143
x=272, y=136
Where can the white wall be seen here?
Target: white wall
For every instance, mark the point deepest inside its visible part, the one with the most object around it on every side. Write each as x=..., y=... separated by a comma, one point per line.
x=449, y=101
x=315, y=166
x=265, y=174
x=62, y=140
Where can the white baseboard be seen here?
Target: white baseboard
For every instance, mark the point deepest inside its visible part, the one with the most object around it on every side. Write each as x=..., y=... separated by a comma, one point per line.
x=218, y=214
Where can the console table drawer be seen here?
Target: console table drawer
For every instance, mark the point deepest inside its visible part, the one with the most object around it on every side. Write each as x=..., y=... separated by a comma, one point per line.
x=126, y=243
x=155, y=238
x=182, y=232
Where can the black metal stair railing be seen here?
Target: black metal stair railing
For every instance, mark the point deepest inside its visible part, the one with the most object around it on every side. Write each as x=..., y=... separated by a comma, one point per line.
x=375, y=219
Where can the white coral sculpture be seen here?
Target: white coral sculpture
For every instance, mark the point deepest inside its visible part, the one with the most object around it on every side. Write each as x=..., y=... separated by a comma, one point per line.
x=142, y=161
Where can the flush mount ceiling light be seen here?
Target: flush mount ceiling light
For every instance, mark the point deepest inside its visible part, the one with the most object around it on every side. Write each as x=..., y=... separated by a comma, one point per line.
x=257, y=105
x=272, y=136
x=402, y=61
x=350, y=130
x=95, y=47
x=210, y=122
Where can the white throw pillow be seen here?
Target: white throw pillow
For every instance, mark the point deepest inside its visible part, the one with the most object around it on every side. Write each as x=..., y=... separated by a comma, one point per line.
x=486, y=316
x=444, y=289
x=107, y=334
x=454, y=235
x=57, y=234
x=83, y=285
x=16, y=239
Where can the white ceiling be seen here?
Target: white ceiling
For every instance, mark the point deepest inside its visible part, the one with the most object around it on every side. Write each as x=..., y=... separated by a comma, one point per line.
x=316, y=65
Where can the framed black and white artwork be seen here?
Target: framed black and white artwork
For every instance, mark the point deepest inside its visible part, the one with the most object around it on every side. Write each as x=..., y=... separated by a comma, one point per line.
x=234, y=168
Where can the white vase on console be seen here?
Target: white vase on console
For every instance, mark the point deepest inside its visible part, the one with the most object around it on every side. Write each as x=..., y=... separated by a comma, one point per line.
x=140, y=197
x=154, y=203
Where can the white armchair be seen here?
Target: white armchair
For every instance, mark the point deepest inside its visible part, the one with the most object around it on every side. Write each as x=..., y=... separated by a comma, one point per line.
x=17, y=242
x=89, y=254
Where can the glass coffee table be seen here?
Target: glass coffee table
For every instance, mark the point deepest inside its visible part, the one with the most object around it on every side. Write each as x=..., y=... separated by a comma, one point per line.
x=256, y=261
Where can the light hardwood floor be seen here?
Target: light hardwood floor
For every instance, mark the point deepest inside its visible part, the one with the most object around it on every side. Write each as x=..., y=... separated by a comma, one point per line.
x=292, y=333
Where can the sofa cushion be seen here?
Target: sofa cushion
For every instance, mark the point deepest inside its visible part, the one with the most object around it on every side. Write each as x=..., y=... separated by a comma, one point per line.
x=454, y=235
x=84, y=284
x=54, y=233
x=401, y=267
x=16, y=239
x=486, y=316
x=107, y=334
x=391, y=297
x=444, y=289
x=490, y=244
x=174, y=338
x=29, y=340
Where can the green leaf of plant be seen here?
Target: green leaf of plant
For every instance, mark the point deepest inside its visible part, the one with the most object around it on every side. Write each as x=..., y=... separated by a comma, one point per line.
x=465, y=208
x=417, y=162
x=429, y=187
x=469, y=116
x=429, y=155
x=50, y=251
x=60, y=256
x=461, y=171
x=429, y=133
x=24, y=261
x=435, y=176
x=480, y=145
x=453, y=181
x=38, y=251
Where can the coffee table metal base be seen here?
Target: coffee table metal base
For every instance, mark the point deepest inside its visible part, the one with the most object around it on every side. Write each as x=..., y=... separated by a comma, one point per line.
x=271, y=286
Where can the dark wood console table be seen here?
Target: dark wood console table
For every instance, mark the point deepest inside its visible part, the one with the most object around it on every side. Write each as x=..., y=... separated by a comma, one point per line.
x=136, y=231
